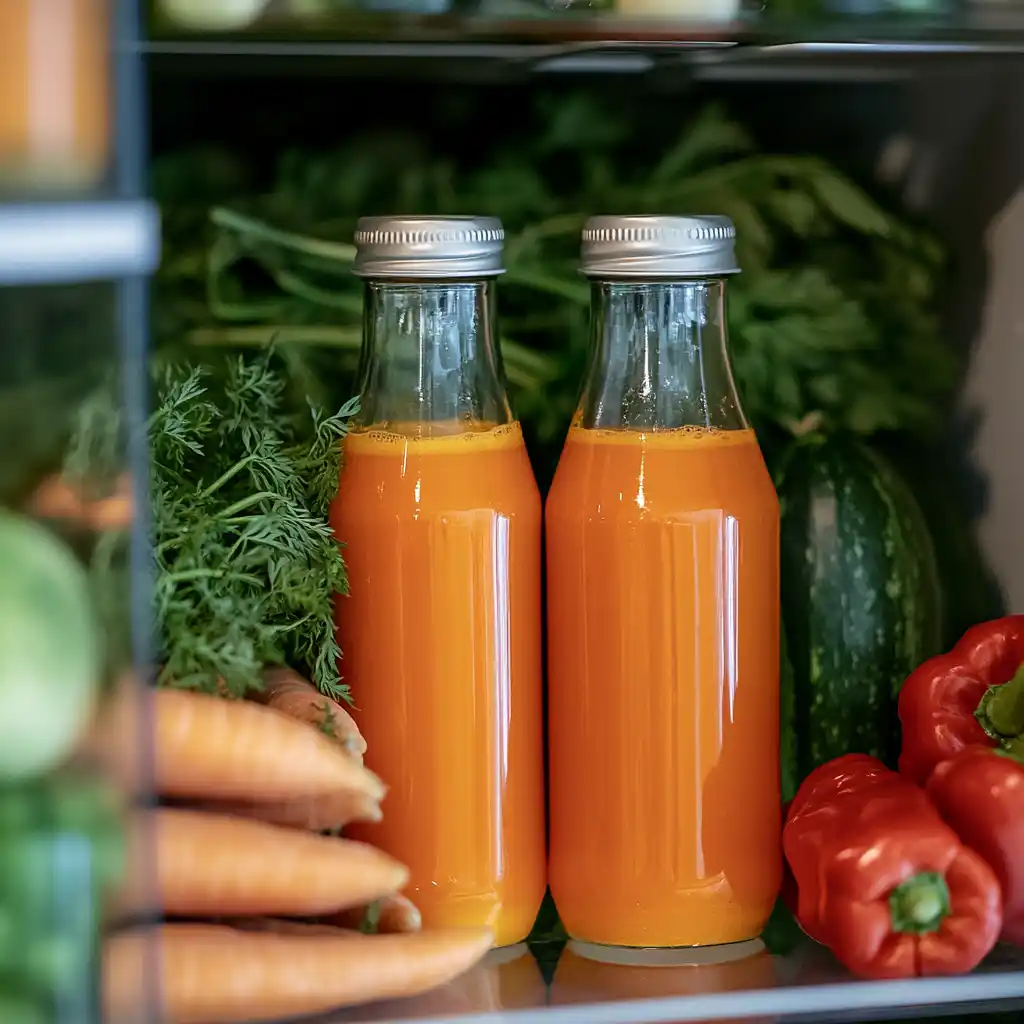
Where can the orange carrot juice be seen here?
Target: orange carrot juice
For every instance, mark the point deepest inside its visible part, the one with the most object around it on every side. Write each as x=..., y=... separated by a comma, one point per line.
x=441, y=641
x=663, y=597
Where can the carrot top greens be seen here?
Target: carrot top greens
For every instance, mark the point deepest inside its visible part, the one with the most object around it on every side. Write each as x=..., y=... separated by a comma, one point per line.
x=245, y=564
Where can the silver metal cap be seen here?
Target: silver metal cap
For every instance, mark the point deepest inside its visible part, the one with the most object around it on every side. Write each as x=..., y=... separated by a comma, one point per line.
x=429, y=247
x=657, y=246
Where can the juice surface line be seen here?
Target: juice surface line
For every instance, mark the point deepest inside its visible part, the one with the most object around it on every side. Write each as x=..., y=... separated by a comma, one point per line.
x=441, y=630
x=662, y=530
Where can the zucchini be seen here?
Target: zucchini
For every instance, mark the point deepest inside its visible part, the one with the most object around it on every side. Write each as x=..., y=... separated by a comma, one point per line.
x=861, y=596
x=789, y=768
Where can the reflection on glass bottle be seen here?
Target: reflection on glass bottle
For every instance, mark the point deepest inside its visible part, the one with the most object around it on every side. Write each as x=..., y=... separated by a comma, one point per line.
x=643, y=974
x=663, y=611
x=440, y=515
x=506, y=979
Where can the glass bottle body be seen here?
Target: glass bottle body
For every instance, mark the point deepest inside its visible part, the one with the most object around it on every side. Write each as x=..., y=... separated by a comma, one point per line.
x=663, y=628
x=441, y=520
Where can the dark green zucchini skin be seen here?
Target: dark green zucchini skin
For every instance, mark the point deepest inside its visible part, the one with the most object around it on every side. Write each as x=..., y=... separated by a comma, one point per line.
x=789, y=767
x=861, y=598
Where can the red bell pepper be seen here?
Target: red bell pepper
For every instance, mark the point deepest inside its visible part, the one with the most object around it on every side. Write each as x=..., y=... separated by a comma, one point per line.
x=882, y=880
x=972, y=696
x=980, y=794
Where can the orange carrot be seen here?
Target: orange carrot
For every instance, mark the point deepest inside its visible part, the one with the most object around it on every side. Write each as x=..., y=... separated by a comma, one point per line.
x=55, y=498
x=313, y=813
x=286, y=691
x=211, y=976
x=213, y=748
x=284, y=927
x=395, y=915
x=210, y=865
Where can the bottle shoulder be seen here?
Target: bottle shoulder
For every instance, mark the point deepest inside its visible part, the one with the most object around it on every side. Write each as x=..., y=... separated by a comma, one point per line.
x=645, y=477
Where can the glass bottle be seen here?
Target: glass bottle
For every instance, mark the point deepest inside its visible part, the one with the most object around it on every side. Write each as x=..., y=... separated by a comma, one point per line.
x=663, y=611
x=441, y=630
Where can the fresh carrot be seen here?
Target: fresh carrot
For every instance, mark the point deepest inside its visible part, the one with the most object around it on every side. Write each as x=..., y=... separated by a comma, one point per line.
x=56, y=498
x=286, y=691
x=314, y=813
x=218, y=749
x=279, y=926
x=210, y=865
x=393, y=915
x=212, y=975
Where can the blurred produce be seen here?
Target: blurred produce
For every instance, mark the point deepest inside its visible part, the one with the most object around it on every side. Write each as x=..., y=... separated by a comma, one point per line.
x=54, y=95
x=50, y=649
x=211, y=15
x=861, y=596
x=692, y=11
x=42, y=385
x=61, y=852
x=813, y=334
x=61, y=840
x=830, y=10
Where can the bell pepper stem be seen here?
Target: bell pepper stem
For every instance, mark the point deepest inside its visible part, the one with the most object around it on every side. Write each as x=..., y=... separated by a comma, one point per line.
x=1001, y=709
x=920, y=904
x=1013, y=749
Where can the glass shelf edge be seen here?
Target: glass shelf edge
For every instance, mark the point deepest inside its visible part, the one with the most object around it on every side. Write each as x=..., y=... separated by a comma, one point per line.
x=71, y=242
x=839, y=997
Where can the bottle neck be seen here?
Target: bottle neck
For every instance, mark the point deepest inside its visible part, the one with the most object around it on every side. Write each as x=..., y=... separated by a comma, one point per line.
x=429, y=357
x=659, y=358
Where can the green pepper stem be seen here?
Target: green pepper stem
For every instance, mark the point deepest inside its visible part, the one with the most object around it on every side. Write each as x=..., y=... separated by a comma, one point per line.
x=1013, y=749
x=1001, y=709
x=920, y=904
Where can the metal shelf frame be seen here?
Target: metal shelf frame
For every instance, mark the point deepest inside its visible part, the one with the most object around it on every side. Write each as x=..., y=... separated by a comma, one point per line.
x=68, y=243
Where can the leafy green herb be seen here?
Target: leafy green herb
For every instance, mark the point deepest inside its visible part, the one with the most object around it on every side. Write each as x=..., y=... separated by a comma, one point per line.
x=834, y=316
x=245, y=563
